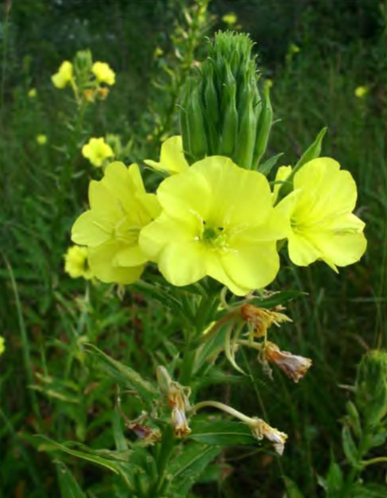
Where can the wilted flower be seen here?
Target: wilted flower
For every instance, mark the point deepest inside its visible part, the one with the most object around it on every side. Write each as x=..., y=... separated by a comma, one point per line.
x=41, y=139
x=63, y=76
x=32, y=94
x=76, y=264
x=89, y=95
x=119, y=209
x=178, y=400
x=361, y=91
x=96, y=151
x=104, y=73
x=293, y=366
x=2, y=345
x=103, y=92
x=319, y=210
x=218, y=220
x=261, y=429
x=262, y=319
x=172, y=159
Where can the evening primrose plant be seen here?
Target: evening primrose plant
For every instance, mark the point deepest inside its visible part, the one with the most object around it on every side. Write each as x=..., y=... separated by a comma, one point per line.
x=206, y=245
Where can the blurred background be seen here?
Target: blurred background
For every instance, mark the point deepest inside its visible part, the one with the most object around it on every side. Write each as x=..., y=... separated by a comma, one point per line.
x=326, y=62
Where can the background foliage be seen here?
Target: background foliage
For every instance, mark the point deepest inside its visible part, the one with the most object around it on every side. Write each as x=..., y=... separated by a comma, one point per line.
x=47, y=383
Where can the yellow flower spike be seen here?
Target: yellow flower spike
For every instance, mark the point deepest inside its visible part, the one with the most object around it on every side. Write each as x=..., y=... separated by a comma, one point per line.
x=282, y=173
x=218, y=220
x=41, y=139
x=172, y=159
x=104, y=73
x=96, y=151
x=76, y=264
x=63, y=76
x=361, y=91
x=2, y=346
x=319, y=209
x=119, y=209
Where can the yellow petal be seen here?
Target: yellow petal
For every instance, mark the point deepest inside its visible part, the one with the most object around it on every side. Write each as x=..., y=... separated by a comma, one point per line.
x=341, y=249
x=301, y=251
x=165, y=230
x=172, y=159
x=251, y=266
x=89, y=231
x=183, y=263
x=130, y=256
x=101, y=263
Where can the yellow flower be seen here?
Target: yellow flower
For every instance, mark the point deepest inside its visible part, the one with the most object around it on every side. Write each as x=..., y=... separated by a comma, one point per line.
x=104, y=73
x=320, y=213
x=218, y=220
x=32, y=94
x=282, y=173
x=230, y=18
x=76, y=264
x=172, y=159
x=63, y=76
x=2, y=347
x=96, y=151
x=361, y=91
x=158, y=52
x=41, y=139
x=119, y=209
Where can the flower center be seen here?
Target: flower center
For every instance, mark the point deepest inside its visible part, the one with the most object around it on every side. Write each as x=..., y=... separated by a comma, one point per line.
x=213, y=236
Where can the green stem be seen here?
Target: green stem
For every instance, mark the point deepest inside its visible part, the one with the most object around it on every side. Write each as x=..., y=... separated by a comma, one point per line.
x=372, y=461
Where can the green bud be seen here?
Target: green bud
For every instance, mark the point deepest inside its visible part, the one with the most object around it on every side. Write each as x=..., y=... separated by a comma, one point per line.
x=221, y=107
x=263, y=128
x=371, y=387
x=196, y=130
x=83, y=62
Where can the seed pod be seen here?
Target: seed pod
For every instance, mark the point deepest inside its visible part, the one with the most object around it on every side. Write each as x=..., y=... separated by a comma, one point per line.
x=246, y=135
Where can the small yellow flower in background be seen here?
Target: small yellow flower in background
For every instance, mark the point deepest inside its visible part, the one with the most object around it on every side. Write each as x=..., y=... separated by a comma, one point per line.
x=63, y=76
x=32, y=94
x=119, y=209
x=2, y=345
x=230, y=19
x=158, y=52
x=268, y=83
x=96, y=151
x=282, y=173
x=41, y=139
x=320, y=214
x=172, y=159
x=218, y=220
x=361, y=91
x=104, y=73
x=76, y=264
x=293, y=48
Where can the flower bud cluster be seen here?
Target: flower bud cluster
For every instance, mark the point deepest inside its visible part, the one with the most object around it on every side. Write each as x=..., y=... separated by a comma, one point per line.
x=223, y=112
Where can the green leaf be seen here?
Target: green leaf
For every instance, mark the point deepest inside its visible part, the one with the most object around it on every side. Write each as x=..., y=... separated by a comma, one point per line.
x=267, y=166
x=221, y=432
x=118, y=433
x=292, y=490
x=186, y=468
x=312, y=152
x=349, y=447
x=354, y=419
x=368, y=491
x=123, y=374
x=69, y=488
x=335, y=478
